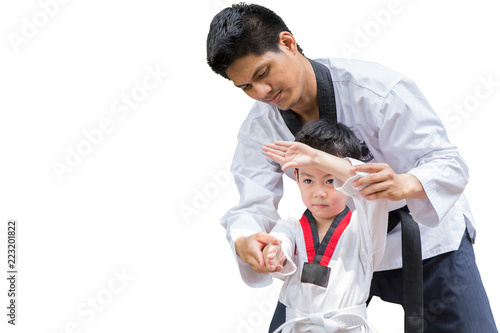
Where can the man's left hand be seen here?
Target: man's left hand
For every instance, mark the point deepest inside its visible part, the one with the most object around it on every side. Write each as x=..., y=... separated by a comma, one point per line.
x=384, y=183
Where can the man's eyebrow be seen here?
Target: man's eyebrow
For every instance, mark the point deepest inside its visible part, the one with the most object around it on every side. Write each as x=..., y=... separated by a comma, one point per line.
x=253, y=76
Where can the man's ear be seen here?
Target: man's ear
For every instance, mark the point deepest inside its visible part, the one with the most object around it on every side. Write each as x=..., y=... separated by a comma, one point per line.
x=287, y=41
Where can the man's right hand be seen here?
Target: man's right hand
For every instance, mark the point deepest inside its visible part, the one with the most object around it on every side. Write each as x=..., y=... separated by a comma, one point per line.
x=249, y=249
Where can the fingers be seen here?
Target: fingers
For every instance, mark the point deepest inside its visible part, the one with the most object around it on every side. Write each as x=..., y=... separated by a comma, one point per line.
x=275, y=241
x=273, y=262
x=273, y=256
x=263, y=238
x=259, y=268
x=374, y=192
x=278, y=147
x=260, y=251
x=267, y=264
x=378, y=180
x=387, y=189
x=378, y=186
x=278, y=158
x=291, y=164
x=275, y=152
x=371, y=167
x=380, y=183
x=283, y=145
x=378, y=172
x=249, y=249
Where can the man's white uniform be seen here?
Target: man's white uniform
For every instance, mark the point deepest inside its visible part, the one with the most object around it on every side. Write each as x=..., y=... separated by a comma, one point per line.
x=389, y=114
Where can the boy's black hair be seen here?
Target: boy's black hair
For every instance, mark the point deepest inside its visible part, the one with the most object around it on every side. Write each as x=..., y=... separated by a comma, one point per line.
x=240, y=30
x=331, y=137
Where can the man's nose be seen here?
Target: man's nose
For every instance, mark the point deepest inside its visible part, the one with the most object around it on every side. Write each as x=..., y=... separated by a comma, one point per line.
x=262, y=91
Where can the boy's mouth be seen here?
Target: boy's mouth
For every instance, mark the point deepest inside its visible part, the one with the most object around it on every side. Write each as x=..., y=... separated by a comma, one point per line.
x=320, y=206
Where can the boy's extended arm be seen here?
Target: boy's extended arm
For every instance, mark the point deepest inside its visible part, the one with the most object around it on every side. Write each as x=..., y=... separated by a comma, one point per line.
x=274, y=256
x=250, y=250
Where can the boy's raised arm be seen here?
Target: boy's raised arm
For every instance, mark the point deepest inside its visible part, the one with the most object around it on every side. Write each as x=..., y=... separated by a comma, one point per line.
x=299, y=155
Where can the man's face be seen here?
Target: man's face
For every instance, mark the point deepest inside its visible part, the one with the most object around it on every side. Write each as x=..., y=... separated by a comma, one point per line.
x=319, y=194
x=275, y=78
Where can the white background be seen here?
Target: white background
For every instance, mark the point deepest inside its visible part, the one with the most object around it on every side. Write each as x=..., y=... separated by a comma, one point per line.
x=146, y=200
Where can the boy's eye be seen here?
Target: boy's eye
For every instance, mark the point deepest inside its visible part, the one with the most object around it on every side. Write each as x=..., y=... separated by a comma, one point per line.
x=308, y=181
x=329, y=181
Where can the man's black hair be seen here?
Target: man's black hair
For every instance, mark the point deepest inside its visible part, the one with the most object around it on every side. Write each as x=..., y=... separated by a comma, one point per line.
x=331, y=137
x=240, y=30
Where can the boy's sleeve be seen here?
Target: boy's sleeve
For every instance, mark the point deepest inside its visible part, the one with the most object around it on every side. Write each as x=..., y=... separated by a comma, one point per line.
x=285, y=231
x=372, y=214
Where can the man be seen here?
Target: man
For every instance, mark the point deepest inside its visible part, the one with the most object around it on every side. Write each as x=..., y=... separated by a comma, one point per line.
x=412, y=161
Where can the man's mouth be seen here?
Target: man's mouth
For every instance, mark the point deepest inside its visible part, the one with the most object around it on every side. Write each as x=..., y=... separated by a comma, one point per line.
x=275, y=99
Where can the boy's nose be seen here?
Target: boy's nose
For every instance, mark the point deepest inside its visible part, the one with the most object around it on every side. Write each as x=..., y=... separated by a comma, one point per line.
x=320, y=192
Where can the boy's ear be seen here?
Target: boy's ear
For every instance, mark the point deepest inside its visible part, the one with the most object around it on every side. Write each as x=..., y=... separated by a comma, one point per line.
x=296, y=173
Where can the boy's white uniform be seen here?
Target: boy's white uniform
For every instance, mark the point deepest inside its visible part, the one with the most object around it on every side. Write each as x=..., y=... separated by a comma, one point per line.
x=359, y=250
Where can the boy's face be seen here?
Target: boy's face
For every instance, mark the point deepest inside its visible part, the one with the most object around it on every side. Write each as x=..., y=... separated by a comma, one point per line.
x=275, y=78
x=319, y=194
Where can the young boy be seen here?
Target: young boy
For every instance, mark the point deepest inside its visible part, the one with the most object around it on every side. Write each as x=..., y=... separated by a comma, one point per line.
x=326, y=258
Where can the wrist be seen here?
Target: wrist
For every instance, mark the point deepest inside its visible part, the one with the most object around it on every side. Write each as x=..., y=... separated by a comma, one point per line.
x=413, y=189
x=238, y=243
x=320, y=159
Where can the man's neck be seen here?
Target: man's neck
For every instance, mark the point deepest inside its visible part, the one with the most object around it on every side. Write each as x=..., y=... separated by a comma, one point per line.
x=307, y=107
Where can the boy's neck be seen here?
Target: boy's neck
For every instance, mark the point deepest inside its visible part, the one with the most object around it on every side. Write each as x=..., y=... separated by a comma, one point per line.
x=323, y=224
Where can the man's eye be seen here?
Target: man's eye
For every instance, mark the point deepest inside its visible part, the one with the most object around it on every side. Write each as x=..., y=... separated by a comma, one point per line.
x=263, y=73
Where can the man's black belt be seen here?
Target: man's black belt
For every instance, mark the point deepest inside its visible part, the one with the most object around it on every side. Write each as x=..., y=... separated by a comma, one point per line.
x=413, y=300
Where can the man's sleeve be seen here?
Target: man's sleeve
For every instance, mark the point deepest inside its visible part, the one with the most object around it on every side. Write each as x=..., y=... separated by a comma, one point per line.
x=260, y=185
x=413, y=139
